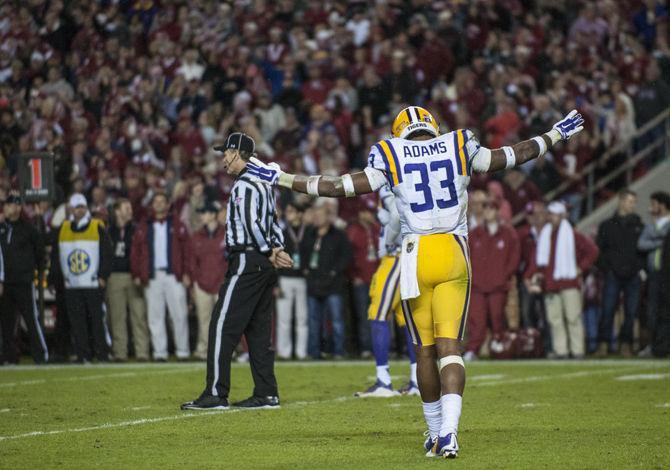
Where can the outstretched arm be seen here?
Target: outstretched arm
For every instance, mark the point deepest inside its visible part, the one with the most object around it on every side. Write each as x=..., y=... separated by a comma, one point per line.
x=489, y=161
x=330, y=186
x=349, y=185
x=483, y=160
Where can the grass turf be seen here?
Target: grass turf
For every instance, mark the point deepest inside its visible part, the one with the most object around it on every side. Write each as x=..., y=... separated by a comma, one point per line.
x=539, y=414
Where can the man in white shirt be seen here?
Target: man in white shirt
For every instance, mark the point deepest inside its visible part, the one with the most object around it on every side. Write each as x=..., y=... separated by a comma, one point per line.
x=158, y=263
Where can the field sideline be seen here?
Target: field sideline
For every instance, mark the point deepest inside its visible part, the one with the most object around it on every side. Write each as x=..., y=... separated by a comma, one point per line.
x=532, y=414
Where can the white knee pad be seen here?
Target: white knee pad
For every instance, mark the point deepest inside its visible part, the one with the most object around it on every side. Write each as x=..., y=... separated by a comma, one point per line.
x=453, y=359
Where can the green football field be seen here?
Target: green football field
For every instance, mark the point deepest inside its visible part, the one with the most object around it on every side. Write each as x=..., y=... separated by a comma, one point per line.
x=541, y=414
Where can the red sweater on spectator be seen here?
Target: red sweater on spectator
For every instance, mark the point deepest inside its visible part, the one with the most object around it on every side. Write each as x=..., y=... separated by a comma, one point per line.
x=494, y=258
x=142, y=256
x=350, y=207
x=316, y=91
x=501, y=126
x=205, y=260
x=522, y=195
x=364, y=249
x=191, y=141
x=586, y=253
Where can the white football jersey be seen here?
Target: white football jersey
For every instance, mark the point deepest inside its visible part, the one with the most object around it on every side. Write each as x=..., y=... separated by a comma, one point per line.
x=429, y=179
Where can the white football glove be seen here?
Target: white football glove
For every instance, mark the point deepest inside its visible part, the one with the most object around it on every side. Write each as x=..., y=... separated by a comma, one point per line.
x=570, y=125
x=266, y=172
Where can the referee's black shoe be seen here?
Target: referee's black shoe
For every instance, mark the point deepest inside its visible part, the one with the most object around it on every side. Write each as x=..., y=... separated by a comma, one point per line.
x=261, y=403
x=206, y=402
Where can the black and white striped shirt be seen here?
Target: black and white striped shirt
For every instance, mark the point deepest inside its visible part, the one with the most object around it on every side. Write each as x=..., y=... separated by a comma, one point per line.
x=252, y=220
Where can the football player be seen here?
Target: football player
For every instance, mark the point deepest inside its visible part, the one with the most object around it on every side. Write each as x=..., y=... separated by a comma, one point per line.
x=429, y=174
x=385, y=300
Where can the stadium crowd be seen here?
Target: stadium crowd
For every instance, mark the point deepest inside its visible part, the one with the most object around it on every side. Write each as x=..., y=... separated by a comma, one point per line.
x=129, y=96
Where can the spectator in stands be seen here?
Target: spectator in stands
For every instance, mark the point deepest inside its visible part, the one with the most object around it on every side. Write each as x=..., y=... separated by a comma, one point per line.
x=544, y=174
x=206, y=266
x=647, y=20
x=327, y=254
x=651, y=243
x=589, y=30
x=158, y=265
x=292, y=298
x=476, y=201
x=189, y=215
x=562, y=255
x=270, y=115
x=124, y=298
x=621, y=262
x=496, y=193
x=363, y=236
x=519, y=190
x=494, y=250
x=652, y=98
x=503, y=127
x=619, y=122
x=84, y=256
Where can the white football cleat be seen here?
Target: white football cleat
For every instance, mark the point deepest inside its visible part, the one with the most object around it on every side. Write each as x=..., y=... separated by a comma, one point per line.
x=410, y=389
x=378, y=390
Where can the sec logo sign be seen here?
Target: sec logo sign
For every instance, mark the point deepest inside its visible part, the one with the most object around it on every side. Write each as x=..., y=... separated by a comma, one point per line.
x=79, y=262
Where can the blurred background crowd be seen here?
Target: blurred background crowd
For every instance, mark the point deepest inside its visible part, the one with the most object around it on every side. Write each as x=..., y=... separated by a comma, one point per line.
x=129, y=96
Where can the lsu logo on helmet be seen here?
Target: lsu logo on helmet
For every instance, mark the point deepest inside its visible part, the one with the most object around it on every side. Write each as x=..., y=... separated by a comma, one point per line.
x=412, y=119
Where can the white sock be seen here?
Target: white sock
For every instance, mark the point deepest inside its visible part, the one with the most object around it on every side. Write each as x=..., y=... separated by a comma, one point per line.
x=383, y=375
x=412, y=373
x=433, y=414
x=451, y=413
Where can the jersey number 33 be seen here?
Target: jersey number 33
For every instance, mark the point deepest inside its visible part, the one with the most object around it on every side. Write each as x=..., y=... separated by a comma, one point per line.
x=423, y=199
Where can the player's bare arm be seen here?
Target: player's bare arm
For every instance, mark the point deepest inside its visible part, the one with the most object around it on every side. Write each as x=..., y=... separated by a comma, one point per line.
x=329, y=186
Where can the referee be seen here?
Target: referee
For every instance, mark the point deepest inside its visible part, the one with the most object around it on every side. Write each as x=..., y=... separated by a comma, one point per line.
x=255, y=248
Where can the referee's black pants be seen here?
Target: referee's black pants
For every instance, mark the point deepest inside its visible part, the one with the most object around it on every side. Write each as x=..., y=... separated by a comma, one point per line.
x=86, y=312
x=21, y=298
x=244, y=307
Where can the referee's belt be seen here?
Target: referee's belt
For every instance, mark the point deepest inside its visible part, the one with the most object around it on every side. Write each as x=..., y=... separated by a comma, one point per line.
x=246, y=249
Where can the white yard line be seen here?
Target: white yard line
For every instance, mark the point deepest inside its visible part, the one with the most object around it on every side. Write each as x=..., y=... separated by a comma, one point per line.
x=486, y=377
x=638, y=377
x=568, y=375
x=115, y=375
x=159, y=419
x=22, y=382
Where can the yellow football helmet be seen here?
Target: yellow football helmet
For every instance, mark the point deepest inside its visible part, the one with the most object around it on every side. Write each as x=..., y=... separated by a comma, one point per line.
x=414, y=118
